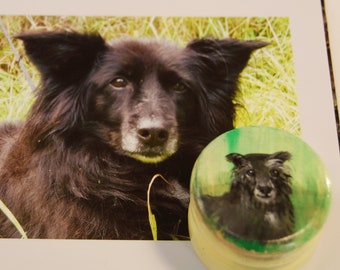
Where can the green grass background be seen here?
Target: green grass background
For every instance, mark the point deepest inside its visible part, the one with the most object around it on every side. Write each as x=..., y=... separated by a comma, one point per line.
x=267, y=93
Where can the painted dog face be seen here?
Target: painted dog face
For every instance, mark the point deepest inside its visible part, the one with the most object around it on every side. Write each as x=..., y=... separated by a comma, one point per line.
x=264, y=176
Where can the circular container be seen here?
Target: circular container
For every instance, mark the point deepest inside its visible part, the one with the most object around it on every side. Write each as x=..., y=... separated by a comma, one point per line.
x=259, y=198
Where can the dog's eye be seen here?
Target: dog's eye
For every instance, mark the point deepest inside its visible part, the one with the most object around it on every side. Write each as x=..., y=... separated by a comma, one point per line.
x=251, y=173
x=179, y=87
x=119, y=82
x=274, y=172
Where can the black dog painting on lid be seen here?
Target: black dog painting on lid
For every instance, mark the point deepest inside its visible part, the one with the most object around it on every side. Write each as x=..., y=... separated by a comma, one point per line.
x=108, y=117
x=258, y=205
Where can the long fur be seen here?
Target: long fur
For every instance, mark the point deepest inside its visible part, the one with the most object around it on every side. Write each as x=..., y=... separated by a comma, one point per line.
x=80, y=165
x=258, y=206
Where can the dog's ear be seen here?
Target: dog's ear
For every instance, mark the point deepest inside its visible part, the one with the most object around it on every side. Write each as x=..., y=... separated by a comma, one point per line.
x=216, y=65
x=237, y=159
x=280, y=157
x=64, y=56
x=224, y=57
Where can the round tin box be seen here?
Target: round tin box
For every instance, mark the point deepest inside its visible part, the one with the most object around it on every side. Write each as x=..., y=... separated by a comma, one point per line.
x=259, y=198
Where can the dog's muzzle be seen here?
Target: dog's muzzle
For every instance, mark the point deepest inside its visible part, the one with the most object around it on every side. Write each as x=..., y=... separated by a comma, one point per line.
x=150, y=140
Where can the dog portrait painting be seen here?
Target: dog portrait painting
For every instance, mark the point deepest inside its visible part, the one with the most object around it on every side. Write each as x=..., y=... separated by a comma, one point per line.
x=258, y=206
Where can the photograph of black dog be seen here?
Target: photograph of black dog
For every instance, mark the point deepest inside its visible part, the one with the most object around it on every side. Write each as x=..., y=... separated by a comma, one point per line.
x=258, y=205
x=107, y=117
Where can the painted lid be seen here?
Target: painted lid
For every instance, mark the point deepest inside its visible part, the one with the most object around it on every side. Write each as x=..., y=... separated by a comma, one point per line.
x=257, y=192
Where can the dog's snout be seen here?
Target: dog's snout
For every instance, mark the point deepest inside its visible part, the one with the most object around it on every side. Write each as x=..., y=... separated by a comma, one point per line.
x=153, y=136
x=265, y=189
x=150, y=139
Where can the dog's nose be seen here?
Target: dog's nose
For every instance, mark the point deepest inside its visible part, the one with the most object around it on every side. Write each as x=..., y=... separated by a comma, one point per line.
x=153, y=136
x=265, y=190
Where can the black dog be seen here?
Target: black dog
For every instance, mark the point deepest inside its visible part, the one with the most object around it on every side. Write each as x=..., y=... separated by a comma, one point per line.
x=258, y=206
x=107, y=118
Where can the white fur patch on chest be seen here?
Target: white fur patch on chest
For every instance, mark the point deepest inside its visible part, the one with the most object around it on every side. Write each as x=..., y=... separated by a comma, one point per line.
x=272, y=219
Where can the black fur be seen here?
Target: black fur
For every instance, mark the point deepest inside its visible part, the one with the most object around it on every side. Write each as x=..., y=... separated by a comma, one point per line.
x=106, y=119
x=258, y=206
